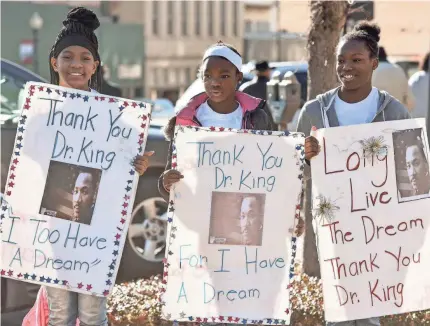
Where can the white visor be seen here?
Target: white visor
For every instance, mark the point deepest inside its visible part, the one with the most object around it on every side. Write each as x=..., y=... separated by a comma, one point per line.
x=225, y=52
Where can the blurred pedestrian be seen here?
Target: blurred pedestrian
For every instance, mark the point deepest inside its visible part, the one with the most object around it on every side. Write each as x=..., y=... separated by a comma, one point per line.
x=257, y=87
x=419, y=83
x=391, y=78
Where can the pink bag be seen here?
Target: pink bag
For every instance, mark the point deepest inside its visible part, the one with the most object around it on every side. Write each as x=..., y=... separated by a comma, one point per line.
x=39, y=314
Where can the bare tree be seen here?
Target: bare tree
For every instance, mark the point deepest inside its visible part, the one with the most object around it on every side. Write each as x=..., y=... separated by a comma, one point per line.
x=327, y=21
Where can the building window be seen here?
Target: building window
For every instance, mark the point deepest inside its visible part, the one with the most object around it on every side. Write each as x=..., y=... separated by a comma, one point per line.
x=210, y=18
x=166, y=76
x=236, y=18
x=222, y=20
x=248, y=26
x=155, y=17
x=184, y=14
x=170, y=17
x=198, y=13
x=188, y=77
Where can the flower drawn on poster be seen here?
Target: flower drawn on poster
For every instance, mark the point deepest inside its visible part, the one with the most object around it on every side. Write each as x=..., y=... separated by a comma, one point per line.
x=325, y=210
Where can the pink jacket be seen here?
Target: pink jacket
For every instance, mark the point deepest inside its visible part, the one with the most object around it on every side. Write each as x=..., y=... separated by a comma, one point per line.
x=39, y=314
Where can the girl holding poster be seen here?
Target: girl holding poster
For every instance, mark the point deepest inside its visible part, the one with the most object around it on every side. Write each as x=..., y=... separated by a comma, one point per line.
x=75, y=63
x=221, y=105
x=355, y=101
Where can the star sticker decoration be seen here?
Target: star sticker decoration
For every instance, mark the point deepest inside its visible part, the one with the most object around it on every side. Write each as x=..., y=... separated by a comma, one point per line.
x=2, y=272
x=19, y=146
x=141, y=105
x=221, y=318
x=80, y=285
x=4, y=207
x=108, y=282
x=125, y=205
x=17, y=154
x=48, y=280
x=111, y=100
x=124, y=213
x=10, y=273
x=72, y=96
x=86, y=98
x=170, y=220
x=105, y=293
x=21, y=129
x=65, y=94
x=89, y=287
x=65, y=282
x=122, y=221
x=26, y=276
x=109, y=274
x=23, y=119
x=121, y=108
x=118, y=236
x=116, y=243
x=111, y=267
x=33, y=277
x=42, y=279
x=56, y=281
x=78, y=95
x=48, y=90
x=132, y=172
x=171, y=209
x=115, y=253
x=244, y=321
x=127, y=188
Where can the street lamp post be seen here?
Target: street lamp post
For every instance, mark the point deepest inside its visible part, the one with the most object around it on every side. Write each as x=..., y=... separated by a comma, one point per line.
x=36, y=23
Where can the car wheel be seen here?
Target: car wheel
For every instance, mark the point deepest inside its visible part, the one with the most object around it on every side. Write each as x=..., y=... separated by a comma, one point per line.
x=146, y=240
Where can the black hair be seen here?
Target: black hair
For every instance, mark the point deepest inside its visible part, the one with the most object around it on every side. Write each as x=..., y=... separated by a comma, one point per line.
x=366, y=32
x=382, y=56
x=79, y=24
x=425, y=63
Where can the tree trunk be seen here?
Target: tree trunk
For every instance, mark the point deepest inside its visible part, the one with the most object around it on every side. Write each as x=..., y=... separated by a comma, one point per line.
x=327, y=21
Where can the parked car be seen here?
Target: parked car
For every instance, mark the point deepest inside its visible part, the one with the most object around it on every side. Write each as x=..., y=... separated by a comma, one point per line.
x=144, y=248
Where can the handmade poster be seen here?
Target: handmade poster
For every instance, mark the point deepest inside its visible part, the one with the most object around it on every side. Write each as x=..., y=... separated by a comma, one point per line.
x=71, y=187
x=231, y=244
x=371, y=200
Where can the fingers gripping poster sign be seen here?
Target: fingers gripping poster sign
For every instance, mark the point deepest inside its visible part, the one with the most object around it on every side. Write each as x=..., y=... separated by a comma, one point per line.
x=71, y=187
x=231, y=248
x=371, y=200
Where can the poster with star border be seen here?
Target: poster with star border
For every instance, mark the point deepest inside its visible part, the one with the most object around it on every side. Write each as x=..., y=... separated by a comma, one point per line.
x=371, y=201
x=231, y=237
x=71, y=187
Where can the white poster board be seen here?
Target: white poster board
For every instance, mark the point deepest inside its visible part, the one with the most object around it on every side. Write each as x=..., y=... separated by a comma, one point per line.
x=371, y=201
x=71, y=187
x=231, y=248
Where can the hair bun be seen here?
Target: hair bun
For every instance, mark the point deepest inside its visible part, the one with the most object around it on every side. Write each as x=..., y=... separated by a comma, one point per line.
x=82, y=16
x=370, y=29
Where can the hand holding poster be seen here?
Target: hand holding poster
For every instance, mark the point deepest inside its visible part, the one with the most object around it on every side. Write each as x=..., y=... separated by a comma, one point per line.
x=230, y=253
x=371, y=190
x=71, y=187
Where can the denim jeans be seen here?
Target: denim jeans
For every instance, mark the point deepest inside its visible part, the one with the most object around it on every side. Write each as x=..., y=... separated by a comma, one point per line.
x=361, y=322
x=65, y=307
